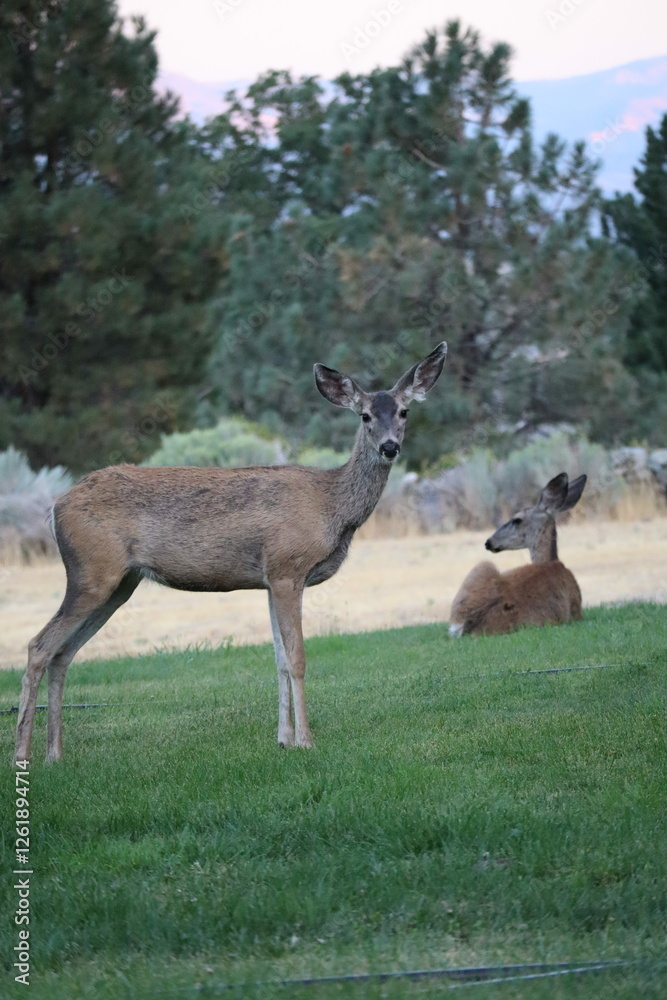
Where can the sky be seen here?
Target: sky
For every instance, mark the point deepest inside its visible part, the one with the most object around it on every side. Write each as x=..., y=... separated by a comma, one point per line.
x=212, y=40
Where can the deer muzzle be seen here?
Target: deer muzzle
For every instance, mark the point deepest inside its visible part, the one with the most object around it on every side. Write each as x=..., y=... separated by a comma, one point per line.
x=390, y=449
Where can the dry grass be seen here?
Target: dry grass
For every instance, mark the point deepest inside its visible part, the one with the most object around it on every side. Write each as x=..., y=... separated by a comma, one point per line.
x=384, y=583
x=396, y=518
x=640, y=503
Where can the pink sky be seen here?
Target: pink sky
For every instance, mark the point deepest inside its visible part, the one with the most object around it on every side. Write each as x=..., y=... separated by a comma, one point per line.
x=211, y=40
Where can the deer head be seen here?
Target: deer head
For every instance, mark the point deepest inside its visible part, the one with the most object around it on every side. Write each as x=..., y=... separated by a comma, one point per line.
x=530, y=526
x=383, y=414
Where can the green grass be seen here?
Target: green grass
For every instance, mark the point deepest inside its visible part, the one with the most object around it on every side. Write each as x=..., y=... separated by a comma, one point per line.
x=445, y=818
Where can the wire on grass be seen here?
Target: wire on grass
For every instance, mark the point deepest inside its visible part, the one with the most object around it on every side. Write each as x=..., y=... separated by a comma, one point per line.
x=475, y=976
x=498, y=673
x=100, y=704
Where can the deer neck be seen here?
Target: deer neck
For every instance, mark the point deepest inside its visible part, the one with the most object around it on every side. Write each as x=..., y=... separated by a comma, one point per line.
x=545, y=547
x=359, y=483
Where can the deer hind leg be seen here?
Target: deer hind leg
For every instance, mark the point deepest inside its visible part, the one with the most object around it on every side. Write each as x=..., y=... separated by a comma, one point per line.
x=61, y=661
x=285, y=599
x=82, y=613
x=285, y=707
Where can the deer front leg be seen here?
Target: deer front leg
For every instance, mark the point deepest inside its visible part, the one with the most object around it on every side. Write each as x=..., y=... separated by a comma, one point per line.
x=286, y=602
x=285, y=710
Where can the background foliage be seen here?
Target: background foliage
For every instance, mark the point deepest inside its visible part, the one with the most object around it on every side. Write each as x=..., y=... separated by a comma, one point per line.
x=25, y=501
x=156, y=276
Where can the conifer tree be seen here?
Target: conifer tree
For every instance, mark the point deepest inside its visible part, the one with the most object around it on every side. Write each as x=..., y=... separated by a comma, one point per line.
x=441, y=219
x=106, y=262
x=641, y=224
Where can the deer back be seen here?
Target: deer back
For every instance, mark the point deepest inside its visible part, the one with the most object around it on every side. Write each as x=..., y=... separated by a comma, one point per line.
x=200, y=528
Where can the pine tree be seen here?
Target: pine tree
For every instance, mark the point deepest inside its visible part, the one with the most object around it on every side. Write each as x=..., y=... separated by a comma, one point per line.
x=442, y=220
x=108, y=255
x=642, y=225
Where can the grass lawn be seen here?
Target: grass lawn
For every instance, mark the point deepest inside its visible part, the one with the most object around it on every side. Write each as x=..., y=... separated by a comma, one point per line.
x=454, y=812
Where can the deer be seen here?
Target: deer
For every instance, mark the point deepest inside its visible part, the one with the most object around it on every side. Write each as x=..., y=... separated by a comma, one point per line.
x=542, y=593
x=277, y=528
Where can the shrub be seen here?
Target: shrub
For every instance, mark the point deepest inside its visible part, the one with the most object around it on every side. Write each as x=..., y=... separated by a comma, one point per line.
x=481, y=491
x=322, y=458
x=522, y=475
x=233, y=443
x=26, y=498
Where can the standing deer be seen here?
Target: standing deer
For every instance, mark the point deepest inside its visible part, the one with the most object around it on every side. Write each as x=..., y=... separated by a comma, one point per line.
x=275, y=528
x=544, y=593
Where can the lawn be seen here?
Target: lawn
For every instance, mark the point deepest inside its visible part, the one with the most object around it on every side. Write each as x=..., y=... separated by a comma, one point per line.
x=454, y=812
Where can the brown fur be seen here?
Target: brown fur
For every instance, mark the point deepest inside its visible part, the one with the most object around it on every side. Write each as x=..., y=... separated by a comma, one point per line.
x=279, y=528
x=544, y=593
x=492, y=603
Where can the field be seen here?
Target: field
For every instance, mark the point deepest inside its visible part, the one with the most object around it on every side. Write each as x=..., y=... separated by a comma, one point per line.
x=454, y=812
x=385, y=583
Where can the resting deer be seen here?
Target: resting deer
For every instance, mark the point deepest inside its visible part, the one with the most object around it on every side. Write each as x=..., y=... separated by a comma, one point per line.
x=544, y=593
x=275, y=528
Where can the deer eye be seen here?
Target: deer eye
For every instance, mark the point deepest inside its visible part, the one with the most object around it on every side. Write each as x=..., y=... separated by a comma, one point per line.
x=515, y=521
x=366, y=417
x=403, y=414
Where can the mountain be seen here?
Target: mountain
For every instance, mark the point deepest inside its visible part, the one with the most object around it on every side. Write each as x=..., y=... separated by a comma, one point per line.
x=609, y=110
x=199, y=100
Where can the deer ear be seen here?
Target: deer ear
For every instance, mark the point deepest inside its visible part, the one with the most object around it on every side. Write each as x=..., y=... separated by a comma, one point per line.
x=339, y=389
x=573, y=496
x=421, y=377
x=554, y=494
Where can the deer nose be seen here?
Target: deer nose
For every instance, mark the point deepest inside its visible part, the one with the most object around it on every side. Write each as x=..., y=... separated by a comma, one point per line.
x=390, y=449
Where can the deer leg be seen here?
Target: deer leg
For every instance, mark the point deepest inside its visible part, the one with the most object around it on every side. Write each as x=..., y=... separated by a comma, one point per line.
x=72, y=625
x=285, y=708
x=286, y=598
x=29, y=688
x=61, y=661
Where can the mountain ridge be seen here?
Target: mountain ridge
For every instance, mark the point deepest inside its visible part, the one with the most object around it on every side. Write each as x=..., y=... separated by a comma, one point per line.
x=609, y=110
